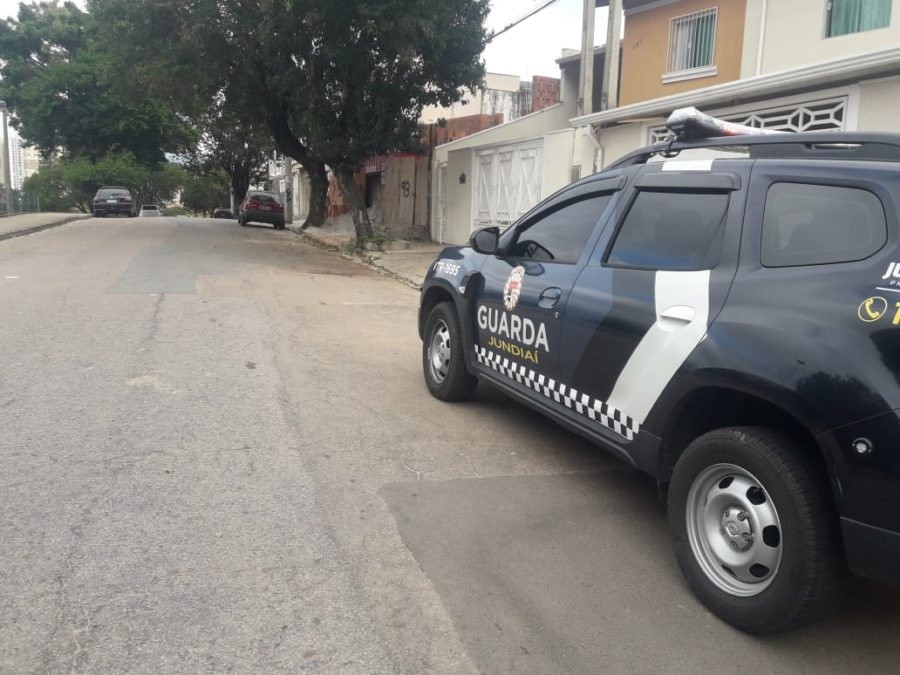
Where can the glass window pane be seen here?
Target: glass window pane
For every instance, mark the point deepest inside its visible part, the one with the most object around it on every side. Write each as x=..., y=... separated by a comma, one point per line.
x=855, y=16
x=672, y=231
x=819, y=224
x=560, y=236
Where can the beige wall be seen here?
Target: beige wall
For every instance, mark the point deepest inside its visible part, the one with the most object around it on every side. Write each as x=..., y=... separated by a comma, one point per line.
x=473, y=100
x=557, y=159
x=795, y=30
x=645, y=48
x=878, y=106
x=619, y=141
x=459, y=198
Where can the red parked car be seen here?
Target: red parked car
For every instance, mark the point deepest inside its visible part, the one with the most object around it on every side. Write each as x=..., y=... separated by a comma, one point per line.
x=262, y=207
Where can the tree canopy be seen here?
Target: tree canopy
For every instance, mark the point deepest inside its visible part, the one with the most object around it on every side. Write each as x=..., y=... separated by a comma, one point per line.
x=71, y=182
x=67, y=92
x=337, y=82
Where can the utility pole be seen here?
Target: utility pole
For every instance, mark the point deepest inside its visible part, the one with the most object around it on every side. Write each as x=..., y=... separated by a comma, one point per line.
x=6, y=172
x=586, y=85
x=609, y=97
x=288, y=190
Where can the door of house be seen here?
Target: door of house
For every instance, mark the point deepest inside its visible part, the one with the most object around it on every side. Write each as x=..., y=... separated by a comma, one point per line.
x=507, y=183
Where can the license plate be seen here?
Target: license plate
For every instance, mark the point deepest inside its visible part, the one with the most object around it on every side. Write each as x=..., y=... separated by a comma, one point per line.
x=265, y=208
x=112, y=201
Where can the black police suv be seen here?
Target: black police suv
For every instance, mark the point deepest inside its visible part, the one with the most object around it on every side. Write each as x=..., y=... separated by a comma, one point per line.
x=724, y=314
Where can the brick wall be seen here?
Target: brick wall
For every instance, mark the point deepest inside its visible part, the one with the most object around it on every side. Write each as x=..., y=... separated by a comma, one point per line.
x=460, y=127
x=544, y=92
x=335, y=205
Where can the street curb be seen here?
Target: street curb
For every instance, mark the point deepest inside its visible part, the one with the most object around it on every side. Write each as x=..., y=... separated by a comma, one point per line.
x=38, y=228
x=364, y=260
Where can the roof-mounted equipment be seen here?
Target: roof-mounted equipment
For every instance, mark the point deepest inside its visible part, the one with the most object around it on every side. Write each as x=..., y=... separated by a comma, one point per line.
x=691, y=124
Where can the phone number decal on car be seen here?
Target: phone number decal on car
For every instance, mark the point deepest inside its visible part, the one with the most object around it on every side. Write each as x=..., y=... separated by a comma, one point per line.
x=446, y=267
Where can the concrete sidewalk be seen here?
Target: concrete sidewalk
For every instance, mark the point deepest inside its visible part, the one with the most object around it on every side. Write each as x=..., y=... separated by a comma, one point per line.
x=408, y=265
x=28, y=223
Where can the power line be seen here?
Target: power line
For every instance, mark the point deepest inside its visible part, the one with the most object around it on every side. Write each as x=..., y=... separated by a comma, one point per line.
x=522, y=18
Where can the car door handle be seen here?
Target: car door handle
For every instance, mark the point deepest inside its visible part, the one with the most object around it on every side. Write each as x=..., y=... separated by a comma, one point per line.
x=676, y=317
x=549, y=298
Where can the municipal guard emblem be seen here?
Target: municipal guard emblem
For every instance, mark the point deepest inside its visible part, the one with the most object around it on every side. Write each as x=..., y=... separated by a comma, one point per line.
x=513, y=288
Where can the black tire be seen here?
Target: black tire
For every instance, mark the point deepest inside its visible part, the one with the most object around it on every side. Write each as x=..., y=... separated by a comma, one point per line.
x=451, y=380
x=242, y=221
x=808, y=580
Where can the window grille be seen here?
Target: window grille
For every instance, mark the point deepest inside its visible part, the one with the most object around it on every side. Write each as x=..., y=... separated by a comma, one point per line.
x=692, y=40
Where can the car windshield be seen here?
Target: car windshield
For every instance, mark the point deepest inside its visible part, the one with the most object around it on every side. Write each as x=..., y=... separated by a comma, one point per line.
x=264, y=197
x=149, y=207
x=112, y=193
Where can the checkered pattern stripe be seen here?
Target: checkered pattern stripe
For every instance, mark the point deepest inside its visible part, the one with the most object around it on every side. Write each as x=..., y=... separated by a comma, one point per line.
x=583, y=404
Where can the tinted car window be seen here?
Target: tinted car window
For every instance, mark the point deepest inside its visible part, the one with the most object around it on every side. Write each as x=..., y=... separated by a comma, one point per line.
x=112, y=193
x=672, y=231
x=560, y=236
x=818, y=224
x=263, y=197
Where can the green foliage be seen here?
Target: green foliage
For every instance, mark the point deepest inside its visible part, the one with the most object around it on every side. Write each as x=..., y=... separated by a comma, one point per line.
x=71, y=182
x=206, y=191
x=337, y=82
x=67, y=91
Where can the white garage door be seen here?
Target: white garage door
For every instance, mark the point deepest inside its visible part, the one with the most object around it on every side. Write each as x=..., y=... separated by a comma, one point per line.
x=507, y=183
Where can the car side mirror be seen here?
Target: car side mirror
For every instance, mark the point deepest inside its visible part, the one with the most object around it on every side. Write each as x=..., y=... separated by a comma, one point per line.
x=486, y=240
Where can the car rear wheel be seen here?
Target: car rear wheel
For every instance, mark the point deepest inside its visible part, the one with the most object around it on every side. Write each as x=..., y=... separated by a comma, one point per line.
x=443, y=356
x=753, y=531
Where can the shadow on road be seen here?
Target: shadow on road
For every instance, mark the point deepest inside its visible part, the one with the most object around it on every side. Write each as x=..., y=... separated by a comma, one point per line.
x=574, y=573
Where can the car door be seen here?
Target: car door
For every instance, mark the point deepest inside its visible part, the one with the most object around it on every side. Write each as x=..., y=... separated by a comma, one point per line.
x=650, y=290
x=523, y=289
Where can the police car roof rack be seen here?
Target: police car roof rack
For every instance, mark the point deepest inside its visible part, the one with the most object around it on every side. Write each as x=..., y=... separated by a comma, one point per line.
x=693, y=129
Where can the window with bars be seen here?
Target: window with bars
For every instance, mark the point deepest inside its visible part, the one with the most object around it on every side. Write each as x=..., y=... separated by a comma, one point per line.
x=692, y=41
x=855, y=16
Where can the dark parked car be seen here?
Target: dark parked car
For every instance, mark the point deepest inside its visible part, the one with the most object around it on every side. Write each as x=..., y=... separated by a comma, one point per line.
x=111, y=199
x=724, y=315
x=222, y=213
x=262, y=207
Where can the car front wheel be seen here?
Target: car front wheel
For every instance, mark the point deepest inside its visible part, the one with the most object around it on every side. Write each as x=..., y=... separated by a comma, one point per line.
x=443, y=356
x=753, y=531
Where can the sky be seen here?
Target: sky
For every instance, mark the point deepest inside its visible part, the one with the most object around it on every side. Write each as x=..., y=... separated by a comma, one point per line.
x=529, y=49
x=532, y=47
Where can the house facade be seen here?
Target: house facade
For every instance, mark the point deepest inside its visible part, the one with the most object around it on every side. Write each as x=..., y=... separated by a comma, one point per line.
x=802, y=65
x=495, y=176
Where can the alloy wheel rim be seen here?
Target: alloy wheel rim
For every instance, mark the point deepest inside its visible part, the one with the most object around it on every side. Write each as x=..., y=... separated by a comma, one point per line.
x=734, y=530
x=439, y=352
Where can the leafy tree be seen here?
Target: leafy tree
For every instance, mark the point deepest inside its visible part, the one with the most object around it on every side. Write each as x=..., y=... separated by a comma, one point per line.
x=71, y=182
x=67, y=92
x=233, y=141
x=206, y=191
x=337, y=81
x=368, y=67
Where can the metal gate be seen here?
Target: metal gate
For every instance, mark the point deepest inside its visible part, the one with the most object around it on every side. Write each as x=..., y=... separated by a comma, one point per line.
x=507, y=183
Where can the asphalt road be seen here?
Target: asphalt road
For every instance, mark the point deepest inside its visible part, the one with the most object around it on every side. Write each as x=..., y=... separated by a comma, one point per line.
x=217, y=454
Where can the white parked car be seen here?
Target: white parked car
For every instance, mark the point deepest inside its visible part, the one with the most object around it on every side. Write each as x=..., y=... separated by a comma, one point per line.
x=150, y=210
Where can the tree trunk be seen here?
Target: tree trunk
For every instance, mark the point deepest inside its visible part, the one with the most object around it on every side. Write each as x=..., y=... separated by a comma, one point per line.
x=357, y=203
x=288, y=143
x=239, y=172
x=318, y=192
